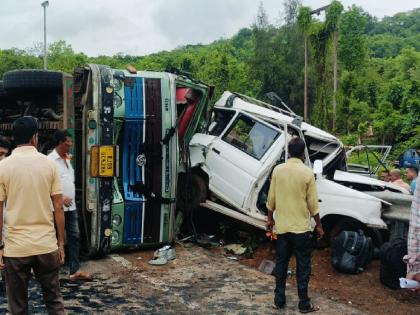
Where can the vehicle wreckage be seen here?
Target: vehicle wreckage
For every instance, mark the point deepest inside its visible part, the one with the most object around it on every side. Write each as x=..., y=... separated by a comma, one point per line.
x=246, y=138
x=138, y=155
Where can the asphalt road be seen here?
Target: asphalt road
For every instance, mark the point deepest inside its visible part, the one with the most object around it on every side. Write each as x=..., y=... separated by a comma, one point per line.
x=197, y=282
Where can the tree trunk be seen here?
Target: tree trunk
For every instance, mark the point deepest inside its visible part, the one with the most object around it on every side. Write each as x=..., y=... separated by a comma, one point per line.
x=335, y=44
x=305, y=86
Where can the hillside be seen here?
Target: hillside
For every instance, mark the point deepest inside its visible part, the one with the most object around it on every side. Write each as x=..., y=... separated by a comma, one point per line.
x=378, y=69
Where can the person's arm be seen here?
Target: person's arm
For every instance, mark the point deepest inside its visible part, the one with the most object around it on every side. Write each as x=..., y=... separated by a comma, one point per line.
x=57, y=200
x=3, y=197
x=271, y=203
x=313, y=206
x=1, y=234
x=319, y=230
x=59, y=223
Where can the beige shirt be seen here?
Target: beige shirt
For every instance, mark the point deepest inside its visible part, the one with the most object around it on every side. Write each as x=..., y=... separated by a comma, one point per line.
x=293, y=197
x=28, y=179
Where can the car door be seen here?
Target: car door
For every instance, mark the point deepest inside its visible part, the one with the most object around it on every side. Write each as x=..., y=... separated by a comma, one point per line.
x=237, y=156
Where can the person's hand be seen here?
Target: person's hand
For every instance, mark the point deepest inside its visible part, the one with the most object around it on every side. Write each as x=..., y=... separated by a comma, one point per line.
x=67, y=201
x=415, y=277
x=269, y=224
x=61, y=254
x=320, y=232
x=2, y=265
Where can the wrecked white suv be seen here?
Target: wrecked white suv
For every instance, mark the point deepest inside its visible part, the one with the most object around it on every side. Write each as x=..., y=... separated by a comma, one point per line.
x=245, y=139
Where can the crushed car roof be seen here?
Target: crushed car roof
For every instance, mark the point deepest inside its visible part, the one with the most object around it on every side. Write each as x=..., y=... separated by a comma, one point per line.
x=269, y=114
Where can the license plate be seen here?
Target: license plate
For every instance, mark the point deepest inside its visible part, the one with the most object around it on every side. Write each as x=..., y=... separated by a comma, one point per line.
x=106, y=161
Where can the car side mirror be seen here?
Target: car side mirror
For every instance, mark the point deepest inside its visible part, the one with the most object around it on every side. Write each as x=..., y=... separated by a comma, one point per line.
x=212, y=125
x=318, y=168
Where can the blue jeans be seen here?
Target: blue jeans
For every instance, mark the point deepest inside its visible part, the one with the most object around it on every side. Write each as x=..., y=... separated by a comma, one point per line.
x=73, y=240
x=301, y=246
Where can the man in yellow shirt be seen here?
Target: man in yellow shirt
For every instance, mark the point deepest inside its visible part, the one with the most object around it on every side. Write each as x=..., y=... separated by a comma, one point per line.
x=292, y=201
x=30, y=184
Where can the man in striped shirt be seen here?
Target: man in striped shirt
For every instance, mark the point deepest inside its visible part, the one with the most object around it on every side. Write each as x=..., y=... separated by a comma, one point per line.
x=413, y=256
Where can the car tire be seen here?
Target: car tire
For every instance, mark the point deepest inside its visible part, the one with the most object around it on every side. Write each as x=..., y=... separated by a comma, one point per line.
x=190, y=198
x=29, y=84
x=347, y=224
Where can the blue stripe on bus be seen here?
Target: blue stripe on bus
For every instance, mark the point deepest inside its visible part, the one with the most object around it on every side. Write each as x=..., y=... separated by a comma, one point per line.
x=134, y=99
x=132, y=148
x=133, y=217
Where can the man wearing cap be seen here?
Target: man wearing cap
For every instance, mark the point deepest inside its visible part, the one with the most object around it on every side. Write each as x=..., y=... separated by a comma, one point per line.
x=29, y=181
x=60, y=156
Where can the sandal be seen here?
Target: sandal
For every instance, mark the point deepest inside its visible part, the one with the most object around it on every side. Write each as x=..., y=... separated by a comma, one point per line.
x=80, y=275
x=311, y=309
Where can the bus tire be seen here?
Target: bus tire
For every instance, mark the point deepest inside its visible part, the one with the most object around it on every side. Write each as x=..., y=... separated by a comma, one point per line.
x=27, y=84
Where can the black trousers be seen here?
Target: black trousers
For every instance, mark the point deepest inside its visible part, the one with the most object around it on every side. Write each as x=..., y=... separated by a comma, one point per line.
x=300, y=245
x=72, y=240
x=18, y=272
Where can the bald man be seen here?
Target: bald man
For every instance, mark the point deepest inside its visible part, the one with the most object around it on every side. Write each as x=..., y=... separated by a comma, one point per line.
x=395, y=176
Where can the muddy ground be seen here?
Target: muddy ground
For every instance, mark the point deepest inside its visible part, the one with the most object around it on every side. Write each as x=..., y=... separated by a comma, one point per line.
x=198, y=281
x=363, y=291
x=207, y=281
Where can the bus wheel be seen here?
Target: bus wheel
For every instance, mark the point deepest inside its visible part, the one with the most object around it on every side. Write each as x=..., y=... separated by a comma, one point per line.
x=27, y=84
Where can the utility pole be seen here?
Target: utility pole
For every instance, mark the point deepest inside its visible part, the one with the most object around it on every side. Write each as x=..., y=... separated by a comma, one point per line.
x=45, y=5
x=317, y=12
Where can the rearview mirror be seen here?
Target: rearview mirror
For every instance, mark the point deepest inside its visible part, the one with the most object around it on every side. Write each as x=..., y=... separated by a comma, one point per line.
x=318, y=167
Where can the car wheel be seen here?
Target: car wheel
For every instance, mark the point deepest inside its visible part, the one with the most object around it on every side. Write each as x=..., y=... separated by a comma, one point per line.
x=353, y=225
x=191, y=192
x=29, y=84
x=343, y=225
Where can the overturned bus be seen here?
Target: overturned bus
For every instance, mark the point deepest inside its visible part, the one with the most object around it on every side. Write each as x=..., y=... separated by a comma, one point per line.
x=131, y=132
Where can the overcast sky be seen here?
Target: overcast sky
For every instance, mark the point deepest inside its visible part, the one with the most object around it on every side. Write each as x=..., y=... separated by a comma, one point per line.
x=139, y=27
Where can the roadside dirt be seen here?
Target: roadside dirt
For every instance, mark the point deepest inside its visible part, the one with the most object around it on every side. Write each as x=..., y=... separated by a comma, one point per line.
x=363, y=291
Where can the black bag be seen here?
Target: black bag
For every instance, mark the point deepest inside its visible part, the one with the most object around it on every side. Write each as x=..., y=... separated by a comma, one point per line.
x=392, y=265
x=351, y=252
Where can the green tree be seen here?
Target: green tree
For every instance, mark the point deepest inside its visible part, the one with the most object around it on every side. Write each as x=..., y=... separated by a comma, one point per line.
x=332, y=19
x=304, y=20
x=352, y=42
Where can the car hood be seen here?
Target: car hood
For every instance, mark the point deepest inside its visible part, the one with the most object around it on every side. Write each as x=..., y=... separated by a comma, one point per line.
x=341, y=176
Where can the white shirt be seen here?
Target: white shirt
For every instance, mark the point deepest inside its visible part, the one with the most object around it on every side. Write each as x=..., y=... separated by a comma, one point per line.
x=66, y=172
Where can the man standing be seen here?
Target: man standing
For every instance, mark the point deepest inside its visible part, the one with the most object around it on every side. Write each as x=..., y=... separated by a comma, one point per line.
x=293, y=199
x=60, y=156
x=413, y=240
x=385, y=176
x=412, y=174
x=29, y=181
x=395, y=177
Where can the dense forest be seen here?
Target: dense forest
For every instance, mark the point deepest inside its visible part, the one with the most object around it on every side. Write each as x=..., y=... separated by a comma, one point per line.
x=350, y=73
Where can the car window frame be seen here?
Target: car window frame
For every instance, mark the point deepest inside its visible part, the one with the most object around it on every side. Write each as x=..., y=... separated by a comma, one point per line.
x=234, y=121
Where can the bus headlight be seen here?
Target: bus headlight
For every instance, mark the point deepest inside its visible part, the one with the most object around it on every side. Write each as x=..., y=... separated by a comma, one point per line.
x=116, y=220
x=115, y=237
